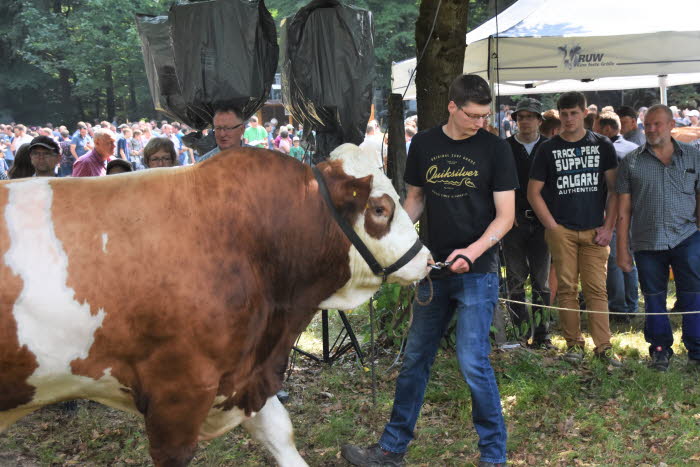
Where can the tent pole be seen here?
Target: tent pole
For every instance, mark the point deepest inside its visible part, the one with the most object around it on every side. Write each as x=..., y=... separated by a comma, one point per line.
x=663, y=89
x=492, y=80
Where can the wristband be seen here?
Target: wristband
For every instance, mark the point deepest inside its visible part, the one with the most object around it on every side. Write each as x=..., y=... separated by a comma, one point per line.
x=469, y=262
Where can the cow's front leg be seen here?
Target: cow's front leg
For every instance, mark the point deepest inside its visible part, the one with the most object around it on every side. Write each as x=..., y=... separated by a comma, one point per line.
x=173, y=422
x=272, y=427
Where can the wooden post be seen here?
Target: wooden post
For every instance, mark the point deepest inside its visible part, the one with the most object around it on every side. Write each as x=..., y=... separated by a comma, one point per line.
x=396, y=152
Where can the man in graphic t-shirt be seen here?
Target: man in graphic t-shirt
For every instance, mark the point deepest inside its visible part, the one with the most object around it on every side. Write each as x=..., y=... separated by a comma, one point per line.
x=572, y=191
x=466, y=178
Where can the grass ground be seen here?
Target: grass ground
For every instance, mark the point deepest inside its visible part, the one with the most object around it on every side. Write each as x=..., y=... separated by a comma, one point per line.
x=557, y=414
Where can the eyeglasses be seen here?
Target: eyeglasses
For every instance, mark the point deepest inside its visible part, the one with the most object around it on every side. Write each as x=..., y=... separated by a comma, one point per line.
x=42, y=154
x=475, y=117
x=160, y=160
x=221, y=129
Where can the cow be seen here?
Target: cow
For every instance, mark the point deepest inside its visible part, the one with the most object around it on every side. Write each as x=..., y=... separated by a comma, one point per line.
x=177, y=293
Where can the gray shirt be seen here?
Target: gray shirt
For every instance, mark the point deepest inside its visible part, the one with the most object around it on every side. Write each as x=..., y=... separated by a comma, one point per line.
x=663, y=197
x=206, y=156
x=623, y=147
x=636, y=136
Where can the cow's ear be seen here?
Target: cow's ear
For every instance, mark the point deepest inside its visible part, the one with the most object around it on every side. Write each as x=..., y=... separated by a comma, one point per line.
x=352, y=194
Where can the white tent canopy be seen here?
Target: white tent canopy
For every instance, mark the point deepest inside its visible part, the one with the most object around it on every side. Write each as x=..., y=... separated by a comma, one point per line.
x=546, y=46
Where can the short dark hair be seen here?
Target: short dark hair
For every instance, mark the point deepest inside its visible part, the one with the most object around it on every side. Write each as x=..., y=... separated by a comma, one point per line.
x=626, y=111
x=660, y=108
x=469, y=88
x=119, y=163
x=549, y=123
x=589, y=120
x=571, y=99
x=225, y=109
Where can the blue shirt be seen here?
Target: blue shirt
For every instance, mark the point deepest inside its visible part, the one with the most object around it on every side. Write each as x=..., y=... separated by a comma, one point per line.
x=80, y=143
x=123, y=145
x=206, y=156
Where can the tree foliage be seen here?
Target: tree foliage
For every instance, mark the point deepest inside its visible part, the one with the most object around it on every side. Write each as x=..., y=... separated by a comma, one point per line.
x=68, y=60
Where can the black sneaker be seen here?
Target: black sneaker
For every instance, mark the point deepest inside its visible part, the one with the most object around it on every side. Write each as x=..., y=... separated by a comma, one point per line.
x=660, y=359
x=608, y=357
x=373, y=456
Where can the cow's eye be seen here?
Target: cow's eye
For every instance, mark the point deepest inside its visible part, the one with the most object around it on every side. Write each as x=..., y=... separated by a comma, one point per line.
x=379, y=210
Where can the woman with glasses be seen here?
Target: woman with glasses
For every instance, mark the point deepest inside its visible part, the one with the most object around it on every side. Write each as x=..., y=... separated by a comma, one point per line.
x=159, y=152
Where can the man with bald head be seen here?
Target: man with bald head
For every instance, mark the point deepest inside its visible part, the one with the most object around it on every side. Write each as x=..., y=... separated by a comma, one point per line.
x=228, y=130
x=659, y=196
x=92, y=164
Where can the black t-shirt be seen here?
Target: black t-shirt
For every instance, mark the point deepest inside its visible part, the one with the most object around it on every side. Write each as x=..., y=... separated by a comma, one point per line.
x=458, y=178
x=575, y=188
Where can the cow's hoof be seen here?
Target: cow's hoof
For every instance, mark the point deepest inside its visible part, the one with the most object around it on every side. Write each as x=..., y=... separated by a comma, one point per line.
x=283, y=396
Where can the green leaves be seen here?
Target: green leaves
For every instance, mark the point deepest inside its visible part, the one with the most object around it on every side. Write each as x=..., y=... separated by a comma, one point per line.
x=83, y=37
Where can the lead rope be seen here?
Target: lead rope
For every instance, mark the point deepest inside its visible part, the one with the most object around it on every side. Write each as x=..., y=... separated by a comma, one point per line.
x=430, y=295
x=372, y=355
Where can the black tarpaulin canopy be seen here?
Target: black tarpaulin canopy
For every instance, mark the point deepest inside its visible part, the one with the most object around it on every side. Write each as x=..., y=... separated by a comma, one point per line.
x=327, y=71
x=210, y=54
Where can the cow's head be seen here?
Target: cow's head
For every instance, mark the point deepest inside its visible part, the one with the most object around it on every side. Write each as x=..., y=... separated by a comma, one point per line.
x=382, y=225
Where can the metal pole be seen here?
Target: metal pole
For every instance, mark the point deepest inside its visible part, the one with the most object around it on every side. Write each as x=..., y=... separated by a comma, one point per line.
x=663, y=89
x=372, y=355
x=326, y=343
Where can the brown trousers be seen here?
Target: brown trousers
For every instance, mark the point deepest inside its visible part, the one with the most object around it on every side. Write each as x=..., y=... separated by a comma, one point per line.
x=575, y=253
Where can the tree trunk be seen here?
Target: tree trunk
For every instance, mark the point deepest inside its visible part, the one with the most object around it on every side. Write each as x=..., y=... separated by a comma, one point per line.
x=81, y=111
x=396, y=153
x=66, y=98
x=444, y=57
x=132, y=97
x=109, y=79
x=98, y=108
x=442, y=62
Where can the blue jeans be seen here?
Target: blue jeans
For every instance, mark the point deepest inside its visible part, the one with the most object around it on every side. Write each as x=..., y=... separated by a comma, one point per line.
x=653, y=277
x=623, y=295
x=473, y=297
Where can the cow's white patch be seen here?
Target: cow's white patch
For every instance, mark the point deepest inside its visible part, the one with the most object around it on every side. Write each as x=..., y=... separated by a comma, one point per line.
x=105, y=239
x=220, y=421
x=55, y=327
x=272, y=427
x=392, y=246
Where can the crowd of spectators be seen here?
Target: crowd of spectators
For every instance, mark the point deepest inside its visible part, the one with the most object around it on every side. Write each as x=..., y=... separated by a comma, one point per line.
x=95, y=149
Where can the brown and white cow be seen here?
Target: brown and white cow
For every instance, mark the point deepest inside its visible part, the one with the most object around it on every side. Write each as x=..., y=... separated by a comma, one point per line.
x=178, y=293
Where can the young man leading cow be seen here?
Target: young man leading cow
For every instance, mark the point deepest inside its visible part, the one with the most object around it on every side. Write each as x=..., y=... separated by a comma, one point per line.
x=466, y=178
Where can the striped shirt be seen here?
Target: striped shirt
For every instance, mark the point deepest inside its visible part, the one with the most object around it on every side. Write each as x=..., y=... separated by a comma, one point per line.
x=663, y=197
